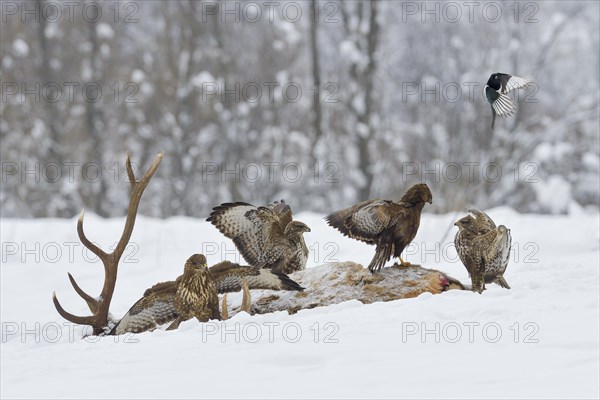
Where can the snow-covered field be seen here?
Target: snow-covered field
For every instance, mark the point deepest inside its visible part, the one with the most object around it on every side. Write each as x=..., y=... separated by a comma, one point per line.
x=540, y=339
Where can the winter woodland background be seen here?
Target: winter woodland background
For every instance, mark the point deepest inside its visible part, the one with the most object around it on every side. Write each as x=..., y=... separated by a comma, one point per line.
x=379, y=107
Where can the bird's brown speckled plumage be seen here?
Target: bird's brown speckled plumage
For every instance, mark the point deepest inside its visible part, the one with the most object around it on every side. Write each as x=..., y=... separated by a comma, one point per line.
x=196, y=295
x=157, y=306
x=267, y=237
x=389, y=225
x=483, y=248
x=283, y=212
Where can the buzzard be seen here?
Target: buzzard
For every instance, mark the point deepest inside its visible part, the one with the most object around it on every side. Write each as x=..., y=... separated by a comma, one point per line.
x=483, y=248
x=496, y=91
x=196, y=294
x=157, y=305
x=389, y=225
x=266, y=237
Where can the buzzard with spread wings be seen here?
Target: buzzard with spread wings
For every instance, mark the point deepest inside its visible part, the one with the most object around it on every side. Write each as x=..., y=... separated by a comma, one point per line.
x=158, y=306
x=266, y=237
x=389, y=225
x=483, y=248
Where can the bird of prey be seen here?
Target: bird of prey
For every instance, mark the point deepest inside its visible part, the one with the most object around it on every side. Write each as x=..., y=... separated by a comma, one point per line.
x=157, y=305
x=388, y=225
x=496, y=91
x=483, y=248
x=266, y=237
x=283, y=212
x=196, y=295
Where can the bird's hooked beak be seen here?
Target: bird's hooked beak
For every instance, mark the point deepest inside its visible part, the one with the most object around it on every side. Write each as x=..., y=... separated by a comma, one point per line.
x=205, y=265
x=430, y=201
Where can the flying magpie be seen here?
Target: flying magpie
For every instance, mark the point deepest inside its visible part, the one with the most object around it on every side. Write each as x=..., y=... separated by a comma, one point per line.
x=496, y=91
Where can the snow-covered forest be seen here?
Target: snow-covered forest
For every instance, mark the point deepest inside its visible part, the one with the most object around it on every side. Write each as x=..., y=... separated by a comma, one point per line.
x=322, y=103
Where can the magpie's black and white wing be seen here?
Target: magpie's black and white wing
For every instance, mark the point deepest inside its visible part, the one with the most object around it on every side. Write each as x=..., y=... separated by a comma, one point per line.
x=511, y=82
x=501, y=103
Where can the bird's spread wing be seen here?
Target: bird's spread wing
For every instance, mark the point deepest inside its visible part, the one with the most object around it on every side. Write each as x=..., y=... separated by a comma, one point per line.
x=256, y=232
x=229, y=277
x=160, y=286
x=224, y=267
x=364, y=221
x=509, y=82
x=503, y=105
x=283, y=212
x=483, y=221
x=147, y=313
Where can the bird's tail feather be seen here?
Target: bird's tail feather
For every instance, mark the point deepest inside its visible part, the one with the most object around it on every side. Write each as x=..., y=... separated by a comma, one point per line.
x=268, y=279
x=383, y=253
x=288, y=283
x=502, y=282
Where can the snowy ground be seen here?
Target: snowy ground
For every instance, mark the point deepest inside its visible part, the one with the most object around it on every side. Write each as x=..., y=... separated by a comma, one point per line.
x=539, y=339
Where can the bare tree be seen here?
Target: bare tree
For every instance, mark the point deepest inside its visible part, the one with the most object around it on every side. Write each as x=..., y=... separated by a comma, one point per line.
x=363, y=77
x=316, y=73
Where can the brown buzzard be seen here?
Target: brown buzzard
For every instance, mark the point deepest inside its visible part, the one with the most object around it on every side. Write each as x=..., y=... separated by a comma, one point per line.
x=196, y=294
x=265, y=236
x=483, y=248
x=157, y=306
x=389, y=225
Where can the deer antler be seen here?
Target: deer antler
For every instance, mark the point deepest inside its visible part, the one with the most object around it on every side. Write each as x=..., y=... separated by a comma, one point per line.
x=99, y=307
x=246, y=299
x=224, y=311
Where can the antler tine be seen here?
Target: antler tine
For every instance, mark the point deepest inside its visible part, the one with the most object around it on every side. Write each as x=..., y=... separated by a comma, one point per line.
x=246, y=299
x=130, y=174
x=224, y=311
x=70, y=317
x=86, y=242
x=136, y=194
x=91, y=302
